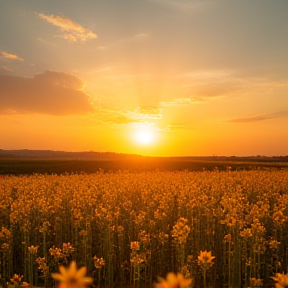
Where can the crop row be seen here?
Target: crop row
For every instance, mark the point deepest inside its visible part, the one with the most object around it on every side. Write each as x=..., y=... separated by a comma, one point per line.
x=128, y=228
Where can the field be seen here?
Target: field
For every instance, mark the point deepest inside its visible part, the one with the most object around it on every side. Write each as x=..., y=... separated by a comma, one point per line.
x=128, y=228
x=19, y=166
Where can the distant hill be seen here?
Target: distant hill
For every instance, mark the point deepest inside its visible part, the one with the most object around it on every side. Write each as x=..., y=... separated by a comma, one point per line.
x=63, y=155
x=105, y=156
x=28, y=162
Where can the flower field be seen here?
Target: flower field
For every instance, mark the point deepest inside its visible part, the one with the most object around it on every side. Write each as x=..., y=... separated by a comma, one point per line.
x=128, y=228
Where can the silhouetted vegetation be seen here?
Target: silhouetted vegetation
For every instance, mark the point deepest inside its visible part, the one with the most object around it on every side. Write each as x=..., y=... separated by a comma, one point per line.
x=26, y=166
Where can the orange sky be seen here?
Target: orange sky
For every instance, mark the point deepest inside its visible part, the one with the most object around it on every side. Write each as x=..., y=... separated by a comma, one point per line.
x=198, y=77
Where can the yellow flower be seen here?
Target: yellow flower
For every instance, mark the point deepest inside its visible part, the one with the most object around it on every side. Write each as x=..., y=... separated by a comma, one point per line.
x=26, y=285
x=205, y=257
x=98, y=262
x=134, y=245
x=282, y=280
x=16, y=279
x=174, y=281
x=71, y=277
x=255, y=282
x=33, y=249
x=181, y=231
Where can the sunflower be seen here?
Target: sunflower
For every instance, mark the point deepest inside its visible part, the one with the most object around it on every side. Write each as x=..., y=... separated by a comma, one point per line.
x=282, y=280
x=174, y=281
x=71, y=277
x=256, y=282
x=205, y=257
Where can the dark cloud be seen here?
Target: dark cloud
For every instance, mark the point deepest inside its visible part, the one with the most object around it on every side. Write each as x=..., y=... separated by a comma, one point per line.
x=256, y=118
x=49, y=93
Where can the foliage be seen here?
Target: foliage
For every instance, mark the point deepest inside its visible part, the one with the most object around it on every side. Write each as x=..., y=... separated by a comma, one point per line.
x=142, y=225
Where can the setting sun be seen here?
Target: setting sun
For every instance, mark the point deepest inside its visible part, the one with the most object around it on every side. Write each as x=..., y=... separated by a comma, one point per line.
x=193, y=80
x=144, y=137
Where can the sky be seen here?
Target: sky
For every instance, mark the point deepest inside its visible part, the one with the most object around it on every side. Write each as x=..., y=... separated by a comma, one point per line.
x=149, y=77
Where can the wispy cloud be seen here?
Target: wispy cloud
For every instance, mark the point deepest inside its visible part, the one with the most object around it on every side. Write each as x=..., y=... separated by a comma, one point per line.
x=183, y=101
x=69, y=29
x=51, y=93
x=143, y=114
x=213, y=83
x=187, y=5
x=172, y=127
x=50, y=43
x=141, y=36
x=10, y=56
x=208, y=74
x=7, y=69
x=133, y=38
x=102, y=47
x=226, y=83
x=112, y=116
x=260, y=117
x=147, y=113
x=220, y=82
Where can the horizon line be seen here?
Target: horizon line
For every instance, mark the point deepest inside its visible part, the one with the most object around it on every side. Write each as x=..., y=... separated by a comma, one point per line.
x=132, y=154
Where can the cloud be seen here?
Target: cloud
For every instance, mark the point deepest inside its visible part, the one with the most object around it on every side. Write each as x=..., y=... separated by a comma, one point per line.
x=141, y=36
x=7, y=69
x=183, y=101
x=51, y=93
x=254, y=118
x=142, y=114
x=134, y=38
x=261, y=117
x=50, y=43
x=173, y=127
x=70, y=30
x=213, y=83
x=147, y=113
x=111, y=116
x=187, y=5
x=213, y=77
x=9, y=56
x=102, y=47
x=227, y=82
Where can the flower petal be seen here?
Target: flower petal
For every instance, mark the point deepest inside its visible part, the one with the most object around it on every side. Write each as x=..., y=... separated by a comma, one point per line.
x=63, y=270
x=58, y=277
x=81, y=272
x=72, y=269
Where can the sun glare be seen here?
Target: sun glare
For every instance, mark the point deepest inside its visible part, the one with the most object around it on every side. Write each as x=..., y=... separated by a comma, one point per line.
x=144, y=137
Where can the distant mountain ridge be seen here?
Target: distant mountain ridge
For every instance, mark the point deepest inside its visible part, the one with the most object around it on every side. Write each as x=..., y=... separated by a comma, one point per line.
x=99, y=156
x=63, y=155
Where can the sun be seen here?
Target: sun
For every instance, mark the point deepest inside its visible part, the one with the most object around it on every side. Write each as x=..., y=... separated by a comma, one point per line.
x=144, y=137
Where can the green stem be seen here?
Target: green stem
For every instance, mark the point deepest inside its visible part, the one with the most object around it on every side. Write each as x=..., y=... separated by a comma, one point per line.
x=204, y=278
x=44, y=246
x=30, y=273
